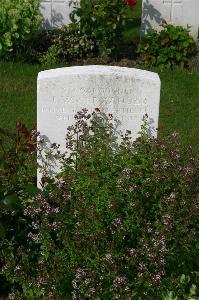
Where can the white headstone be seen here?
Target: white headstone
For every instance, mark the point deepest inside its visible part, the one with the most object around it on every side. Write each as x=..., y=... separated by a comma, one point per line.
x=177, y=12
x=55, y=13
x=126, y=93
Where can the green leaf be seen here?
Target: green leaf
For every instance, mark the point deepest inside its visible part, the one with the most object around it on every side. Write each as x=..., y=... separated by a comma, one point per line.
x=2, y=231
x=12, y=201
x=32, y=189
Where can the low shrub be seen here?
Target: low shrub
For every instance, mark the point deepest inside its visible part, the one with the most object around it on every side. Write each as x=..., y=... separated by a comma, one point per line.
x=19, y=21
x=68, y=44
x=172, y=46
x=16, y=163
x=50, y=58
x=118, y=222
x=17, y=182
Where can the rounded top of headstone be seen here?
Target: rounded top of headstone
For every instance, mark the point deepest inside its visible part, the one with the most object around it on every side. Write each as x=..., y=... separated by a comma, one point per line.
x=99, y=70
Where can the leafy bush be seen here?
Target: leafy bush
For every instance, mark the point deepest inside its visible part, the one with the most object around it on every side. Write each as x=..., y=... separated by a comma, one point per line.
x=71, y=44
x=15, y=159
x=184, y=289
x=67, y=44
x=118, y=222
x=102, y=21
x=172, y=46
x=17, y=181
x=19, y=21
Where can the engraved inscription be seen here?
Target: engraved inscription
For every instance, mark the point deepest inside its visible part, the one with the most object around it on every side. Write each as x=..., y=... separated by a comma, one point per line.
x=172, y=4
x=118, y=101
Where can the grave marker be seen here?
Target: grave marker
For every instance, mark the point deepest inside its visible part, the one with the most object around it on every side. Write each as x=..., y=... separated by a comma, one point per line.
x=177, y=12
x=55, y=13
x=126, y=93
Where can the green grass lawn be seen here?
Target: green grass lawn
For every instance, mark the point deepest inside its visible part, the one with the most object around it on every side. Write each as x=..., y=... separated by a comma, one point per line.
x=179, y=106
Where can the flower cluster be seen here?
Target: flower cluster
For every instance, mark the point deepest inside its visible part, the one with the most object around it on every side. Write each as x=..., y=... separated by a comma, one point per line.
x=118, y=222
x=131, y=2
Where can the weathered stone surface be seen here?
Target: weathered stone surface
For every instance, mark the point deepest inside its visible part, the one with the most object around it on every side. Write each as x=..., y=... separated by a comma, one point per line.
x=178, y=12
x=55, y=13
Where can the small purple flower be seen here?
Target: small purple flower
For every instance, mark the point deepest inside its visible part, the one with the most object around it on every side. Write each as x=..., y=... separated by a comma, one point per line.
x=32, y=210
x=34, y=237
x=56, y=210
x=11, y=296
x=140, y=274
x=17, y=268
x=74, y=284
x=80, y=273
x=117, y=222
x=74, y=295
x=92, y=290
x=109, y=258
x=126, y=171
x=132, y=188
x=174, y=134
x=87, y=281
x=157, y=278
x=35, y=224
x=165, y=164
x=132, y=252
x=119, y=280
x=110, y=205
x=119, y=183
x=41, y=281
x=37, y=197
x=167, y=221
x=55, y=225
x=5, y=268
x=141, y=266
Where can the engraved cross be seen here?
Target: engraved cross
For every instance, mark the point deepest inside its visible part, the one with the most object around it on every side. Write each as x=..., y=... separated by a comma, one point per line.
x=172, y=3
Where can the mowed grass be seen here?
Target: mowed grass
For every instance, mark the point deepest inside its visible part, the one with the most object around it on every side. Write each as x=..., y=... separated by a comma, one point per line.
x=17, y=94
x=179, y=106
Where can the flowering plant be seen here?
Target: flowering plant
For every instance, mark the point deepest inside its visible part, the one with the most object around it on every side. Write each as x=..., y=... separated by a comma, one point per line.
x=131, y=2
x=170, y=47
x=118, y=222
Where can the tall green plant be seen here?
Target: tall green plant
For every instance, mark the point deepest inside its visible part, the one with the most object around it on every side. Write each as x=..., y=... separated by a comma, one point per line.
x=19, y=21
x=102, y=20
x=119, y=222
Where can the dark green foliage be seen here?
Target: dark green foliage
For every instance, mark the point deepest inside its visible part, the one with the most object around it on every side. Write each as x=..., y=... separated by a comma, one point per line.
x=172, y=46
x=16, y=161
x=19, y=21
x=103, y=21
x=72, y=44
x=17, y=183
x=68, y=44
x=118, y=222
x=96, y=30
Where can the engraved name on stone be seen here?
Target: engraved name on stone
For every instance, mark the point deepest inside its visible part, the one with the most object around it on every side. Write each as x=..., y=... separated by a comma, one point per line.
x=125, y=104
x=177, y=12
